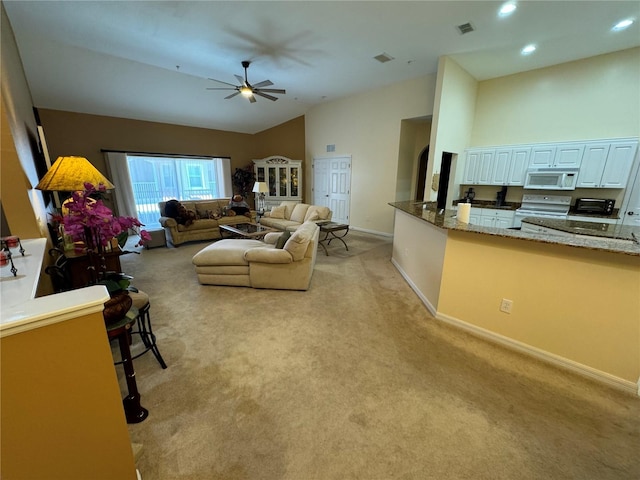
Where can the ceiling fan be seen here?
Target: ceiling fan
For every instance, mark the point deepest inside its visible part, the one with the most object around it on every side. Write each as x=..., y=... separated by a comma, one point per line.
x=248, y=90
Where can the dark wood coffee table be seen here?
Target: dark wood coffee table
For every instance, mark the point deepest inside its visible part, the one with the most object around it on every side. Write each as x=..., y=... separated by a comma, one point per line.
x=246, y=230
x=330, y=229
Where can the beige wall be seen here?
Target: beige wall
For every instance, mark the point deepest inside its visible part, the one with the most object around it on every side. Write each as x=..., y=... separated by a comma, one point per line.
x=577, y=303
x=576, y=307
x=62, y=415
x=367, y=127
x=286, y=139
x=597, y=97
x=24, y=208
x=414, y=138
x=84, y=135
x=452, y=120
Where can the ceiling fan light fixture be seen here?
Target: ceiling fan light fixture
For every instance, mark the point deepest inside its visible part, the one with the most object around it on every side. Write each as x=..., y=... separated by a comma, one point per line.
x=246, y=91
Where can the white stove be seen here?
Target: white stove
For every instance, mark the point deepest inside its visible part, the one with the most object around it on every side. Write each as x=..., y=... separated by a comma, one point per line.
x=543, y=206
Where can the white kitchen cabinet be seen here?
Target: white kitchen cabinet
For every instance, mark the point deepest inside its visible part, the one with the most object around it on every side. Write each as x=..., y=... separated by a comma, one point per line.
x=501, y=166
x=485, y=167
x=619, y=162
x=491, y=217
x=567, y=155
x=518, y=165
x=542, y=156
x=471, y=167
x=606, y=164
x=592, y=167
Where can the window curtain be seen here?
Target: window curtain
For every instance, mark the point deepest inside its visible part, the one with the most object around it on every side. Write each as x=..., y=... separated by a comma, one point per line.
x=224, y=174
x=118, y=170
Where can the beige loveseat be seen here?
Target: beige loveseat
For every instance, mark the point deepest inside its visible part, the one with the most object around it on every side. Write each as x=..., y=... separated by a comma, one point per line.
x=259, y=264
x=204, y=227
x=290, y=215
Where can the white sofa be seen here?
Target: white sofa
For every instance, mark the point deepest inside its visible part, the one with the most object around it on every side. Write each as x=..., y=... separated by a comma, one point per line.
x=292, y=215
x=259, y=264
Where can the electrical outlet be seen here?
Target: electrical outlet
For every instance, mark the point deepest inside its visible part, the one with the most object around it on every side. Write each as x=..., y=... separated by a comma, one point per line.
x=506, y=305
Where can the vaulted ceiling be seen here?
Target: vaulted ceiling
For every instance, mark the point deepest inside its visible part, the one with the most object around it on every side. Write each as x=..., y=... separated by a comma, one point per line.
x=153, y=60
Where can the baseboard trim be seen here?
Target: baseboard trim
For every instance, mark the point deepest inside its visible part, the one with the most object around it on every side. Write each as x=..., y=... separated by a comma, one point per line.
x=543, y=355
x=372, y=232
x=415, y=289
x=551, y=358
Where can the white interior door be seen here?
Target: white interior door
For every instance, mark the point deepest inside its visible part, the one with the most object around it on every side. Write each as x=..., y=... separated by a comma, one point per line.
x=332, y=186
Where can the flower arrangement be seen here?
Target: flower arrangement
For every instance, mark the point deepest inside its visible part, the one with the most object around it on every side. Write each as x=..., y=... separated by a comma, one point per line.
x=90, y=221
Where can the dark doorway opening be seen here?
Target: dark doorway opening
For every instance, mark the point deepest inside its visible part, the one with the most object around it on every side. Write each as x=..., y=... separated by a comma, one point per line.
x=422, y=174
x=443, y=184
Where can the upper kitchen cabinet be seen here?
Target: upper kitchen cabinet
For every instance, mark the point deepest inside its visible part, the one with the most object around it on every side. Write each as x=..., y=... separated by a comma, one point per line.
x=485, y=167
x=563, y=155
x=606, y=164
x=472, y=162
x=501, y=166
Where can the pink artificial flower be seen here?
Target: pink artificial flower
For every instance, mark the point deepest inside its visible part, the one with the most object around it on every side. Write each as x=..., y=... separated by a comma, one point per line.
x=90, y=217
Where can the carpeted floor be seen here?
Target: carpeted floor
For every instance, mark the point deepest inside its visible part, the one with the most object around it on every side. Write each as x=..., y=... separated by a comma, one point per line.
x=354, y=379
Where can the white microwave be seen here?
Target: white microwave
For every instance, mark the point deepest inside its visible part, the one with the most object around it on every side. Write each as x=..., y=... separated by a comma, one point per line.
x=551, y=179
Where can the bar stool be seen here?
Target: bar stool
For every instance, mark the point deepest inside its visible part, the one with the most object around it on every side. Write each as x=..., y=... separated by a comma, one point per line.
x=143, y=326
x=134, y=412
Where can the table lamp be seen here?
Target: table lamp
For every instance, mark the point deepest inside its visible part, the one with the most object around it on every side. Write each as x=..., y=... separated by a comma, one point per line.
x=69, y=174
x=260, y=188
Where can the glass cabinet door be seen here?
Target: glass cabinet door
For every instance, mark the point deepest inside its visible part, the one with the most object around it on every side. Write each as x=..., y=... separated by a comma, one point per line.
x=283, y=181
x=273, y=186
x=282, y=176
x=294, y=182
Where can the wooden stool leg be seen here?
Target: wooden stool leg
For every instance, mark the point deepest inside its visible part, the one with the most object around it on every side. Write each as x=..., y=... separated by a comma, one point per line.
x=134, y=412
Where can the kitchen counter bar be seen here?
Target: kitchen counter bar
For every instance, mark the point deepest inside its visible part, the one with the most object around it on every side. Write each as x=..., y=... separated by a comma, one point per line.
x=605, y=241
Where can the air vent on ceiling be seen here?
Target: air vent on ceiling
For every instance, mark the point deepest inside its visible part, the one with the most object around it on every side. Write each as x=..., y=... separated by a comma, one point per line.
x=465, y=28
x=383, y=57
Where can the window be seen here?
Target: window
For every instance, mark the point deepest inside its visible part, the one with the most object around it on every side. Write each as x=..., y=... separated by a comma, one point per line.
x=156, y=178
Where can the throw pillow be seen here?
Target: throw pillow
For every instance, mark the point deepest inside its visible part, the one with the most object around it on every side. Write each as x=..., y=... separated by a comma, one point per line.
x=282, y=239
x=277, y=212
x=297, y=244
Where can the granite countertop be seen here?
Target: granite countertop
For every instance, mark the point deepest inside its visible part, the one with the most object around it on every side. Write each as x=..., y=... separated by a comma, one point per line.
x=490, y=204
x=446, y=219
x=593, y=229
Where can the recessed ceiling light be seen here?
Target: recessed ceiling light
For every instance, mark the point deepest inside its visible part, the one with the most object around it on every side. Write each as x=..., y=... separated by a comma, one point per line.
x=507, y=9
x=622, y=25
x=528, y=50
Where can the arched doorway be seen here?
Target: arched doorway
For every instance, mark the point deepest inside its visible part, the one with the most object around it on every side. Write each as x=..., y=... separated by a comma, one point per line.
x=422, y=174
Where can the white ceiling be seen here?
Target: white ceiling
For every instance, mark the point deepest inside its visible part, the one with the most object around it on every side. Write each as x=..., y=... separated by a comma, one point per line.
x=151, y=60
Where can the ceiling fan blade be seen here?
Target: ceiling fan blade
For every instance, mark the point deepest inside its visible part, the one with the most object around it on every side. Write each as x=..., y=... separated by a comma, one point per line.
x=220, y=81
x=273, y=90
x=252, y=99
x=221, y=88
x=232, y=95
x=257, y=92
x=264, y=83
x=240, y=79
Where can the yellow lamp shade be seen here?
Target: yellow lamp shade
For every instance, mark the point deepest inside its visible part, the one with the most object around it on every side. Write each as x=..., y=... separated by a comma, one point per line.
x=69, y=174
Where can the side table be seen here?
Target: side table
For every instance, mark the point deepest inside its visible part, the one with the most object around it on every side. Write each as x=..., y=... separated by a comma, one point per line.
x=133, y=411
x=329, y=229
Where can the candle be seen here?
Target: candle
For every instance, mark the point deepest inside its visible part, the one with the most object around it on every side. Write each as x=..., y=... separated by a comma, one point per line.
x=4, y=258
